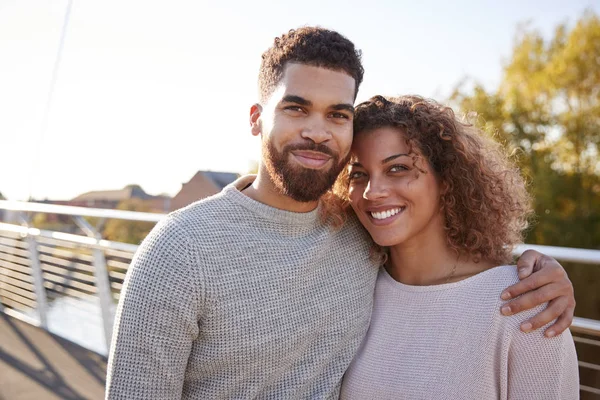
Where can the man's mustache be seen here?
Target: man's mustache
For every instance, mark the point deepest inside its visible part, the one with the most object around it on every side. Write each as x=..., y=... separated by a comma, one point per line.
x=311, y=146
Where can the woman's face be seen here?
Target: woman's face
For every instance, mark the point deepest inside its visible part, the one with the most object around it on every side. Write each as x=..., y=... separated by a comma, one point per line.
x=393, y=199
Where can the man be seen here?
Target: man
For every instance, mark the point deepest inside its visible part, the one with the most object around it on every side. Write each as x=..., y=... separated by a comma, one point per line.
x=249, y=294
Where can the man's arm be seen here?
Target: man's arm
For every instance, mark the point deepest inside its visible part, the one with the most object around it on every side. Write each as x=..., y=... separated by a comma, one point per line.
x=156, y=319
x=543, y=280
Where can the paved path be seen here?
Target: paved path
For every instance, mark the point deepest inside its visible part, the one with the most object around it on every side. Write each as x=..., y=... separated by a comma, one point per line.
x=36, y=365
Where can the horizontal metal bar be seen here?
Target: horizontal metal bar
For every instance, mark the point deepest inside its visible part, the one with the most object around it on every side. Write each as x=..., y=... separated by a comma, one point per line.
x=19, y=244
x=591, y=342
x=80, y=211
x=14, y=251
x=10, y=235
x=24, y=270
x=11, y=280
x=50, y=251
x=9, y=298
x=585, y=256
x=21, y=317
x=68, y=237
x=62, y=272
x=49, y=241
x=586, y=326
x=66, y=290
x=15, y=259
x=67, y=282
x=117, y=264
x=119, y=254
x=27, y=294
x=589, y=365
x=67, y=264
x=589, y=389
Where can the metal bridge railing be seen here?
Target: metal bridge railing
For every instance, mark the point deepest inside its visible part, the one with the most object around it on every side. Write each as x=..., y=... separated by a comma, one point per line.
x=37, y=267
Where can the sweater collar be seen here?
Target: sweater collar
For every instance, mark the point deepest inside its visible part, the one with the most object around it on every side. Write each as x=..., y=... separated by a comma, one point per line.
x=233, y=192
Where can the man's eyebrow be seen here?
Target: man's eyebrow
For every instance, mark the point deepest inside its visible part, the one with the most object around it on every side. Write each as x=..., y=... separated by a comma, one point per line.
x=291, y=98
x=343, y=106
x=390, y=158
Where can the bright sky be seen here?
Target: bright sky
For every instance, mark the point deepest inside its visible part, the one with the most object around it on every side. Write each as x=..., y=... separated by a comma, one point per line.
x=149, y=92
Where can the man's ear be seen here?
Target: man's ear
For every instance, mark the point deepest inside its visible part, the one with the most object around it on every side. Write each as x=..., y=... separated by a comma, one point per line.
x=255, y=121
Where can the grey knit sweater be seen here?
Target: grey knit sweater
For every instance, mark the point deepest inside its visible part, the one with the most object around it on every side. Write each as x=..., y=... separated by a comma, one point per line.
x=232, y=299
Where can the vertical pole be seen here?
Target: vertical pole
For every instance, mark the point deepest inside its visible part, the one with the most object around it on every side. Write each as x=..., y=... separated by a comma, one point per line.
x=104, y=293
x=102, y=279
x=38, y=281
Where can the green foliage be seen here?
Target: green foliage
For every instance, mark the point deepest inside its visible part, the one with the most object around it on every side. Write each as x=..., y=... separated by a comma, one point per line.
x=547, y=107
x=128, y=231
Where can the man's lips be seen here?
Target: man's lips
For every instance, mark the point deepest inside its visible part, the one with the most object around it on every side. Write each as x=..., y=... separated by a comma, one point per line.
x=311, y=159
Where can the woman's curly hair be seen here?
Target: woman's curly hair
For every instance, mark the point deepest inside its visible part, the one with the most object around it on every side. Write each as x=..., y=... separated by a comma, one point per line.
x=484, y=198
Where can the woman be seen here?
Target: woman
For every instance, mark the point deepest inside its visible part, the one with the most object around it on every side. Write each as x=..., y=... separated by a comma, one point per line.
x=444, y=206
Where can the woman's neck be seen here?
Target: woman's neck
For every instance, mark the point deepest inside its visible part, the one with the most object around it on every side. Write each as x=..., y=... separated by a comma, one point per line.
x=428, y=260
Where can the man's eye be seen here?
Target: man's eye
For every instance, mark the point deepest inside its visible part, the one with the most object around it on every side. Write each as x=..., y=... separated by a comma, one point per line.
x=339, y=115
x=294, y=108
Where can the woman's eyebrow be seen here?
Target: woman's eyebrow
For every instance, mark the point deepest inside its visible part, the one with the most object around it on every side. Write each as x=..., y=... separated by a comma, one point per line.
x=390, y=158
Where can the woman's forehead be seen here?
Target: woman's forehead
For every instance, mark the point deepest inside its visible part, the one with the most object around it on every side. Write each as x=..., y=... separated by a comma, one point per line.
x=379, y=141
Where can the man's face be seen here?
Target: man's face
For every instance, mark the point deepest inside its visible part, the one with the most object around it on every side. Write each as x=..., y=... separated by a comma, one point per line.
x=306, y=130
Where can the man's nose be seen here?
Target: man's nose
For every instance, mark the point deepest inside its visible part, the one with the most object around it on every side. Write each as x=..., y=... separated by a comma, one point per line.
x=316, y=131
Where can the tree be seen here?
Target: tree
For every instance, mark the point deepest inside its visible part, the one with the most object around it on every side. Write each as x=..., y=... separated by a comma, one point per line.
x=128, y=231
x=546, y=111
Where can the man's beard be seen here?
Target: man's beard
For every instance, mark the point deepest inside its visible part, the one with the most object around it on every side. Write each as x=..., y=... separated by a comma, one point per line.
x=299, y=183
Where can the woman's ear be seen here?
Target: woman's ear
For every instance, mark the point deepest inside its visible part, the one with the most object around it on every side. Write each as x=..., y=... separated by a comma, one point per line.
x=444, y=188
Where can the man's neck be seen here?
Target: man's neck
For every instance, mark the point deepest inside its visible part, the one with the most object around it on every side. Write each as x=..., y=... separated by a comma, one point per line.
x=264, y=191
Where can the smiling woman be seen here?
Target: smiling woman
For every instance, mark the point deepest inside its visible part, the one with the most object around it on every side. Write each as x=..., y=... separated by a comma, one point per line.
x=445, y=206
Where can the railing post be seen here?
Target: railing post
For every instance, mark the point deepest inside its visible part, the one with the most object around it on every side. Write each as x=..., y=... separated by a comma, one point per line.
x=102, y=279
x=38, y=281
x=104, y=294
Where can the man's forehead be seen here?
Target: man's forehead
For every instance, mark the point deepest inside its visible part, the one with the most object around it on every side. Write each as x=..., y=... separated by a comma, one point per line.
x=316, y=84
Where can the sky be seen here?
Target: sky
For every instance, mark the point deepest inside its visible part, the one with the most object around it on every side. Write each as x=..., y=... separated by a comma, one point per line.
x=149, y=92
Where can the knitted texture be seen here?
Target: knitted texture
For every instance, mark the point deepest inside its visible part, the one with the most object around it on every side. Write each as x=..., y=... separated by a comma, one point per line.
x=230, y=298
x=451, y=342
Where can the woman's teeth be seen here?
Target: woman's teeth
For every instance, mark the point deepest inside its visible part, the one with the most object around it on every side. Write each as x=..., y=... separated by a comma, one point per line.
x=386, y=214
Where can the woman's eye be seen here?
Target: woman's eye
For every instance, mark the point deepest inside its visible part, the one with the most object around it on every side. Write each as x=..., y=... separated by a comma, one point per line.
x=355, y=175
x=398, y=168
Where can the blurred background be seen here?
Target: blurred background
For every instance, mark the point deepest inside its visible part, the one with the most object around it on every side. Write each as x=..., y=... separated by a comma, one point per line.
x=143, y=106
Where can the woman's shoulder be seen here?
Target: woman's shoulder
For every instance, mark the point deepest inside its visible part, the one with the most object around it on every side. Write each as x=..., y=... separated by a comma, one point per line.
x=500, y=278
x=499, y=275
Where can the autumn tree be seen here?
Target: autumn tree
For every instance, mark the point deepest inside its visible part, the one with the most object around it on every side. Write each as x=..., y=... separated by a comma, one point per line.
x=128, y=231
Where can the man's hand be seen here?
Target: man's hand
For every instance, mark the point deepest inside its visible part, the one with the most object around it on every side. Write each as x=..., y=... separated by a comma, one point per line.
x=543, y=280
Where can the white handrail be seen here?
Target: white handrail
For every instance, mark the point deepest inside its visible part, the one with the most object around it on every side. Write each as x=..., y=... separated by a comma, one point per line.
x=585, y=256
x=82, y=211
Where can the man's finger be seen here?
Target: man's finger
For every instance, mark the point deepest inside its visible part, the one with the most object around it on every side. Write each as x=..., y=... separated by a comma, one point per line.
x=532, y=282
x=526, y=262
x=562, y=323
x=533, y=298
x=554, y=310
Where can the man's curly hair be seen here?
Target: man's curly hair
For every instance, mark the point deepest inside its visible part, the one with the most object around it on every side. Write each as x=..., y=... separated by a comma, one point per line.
x=314, y=46
x=484, y=198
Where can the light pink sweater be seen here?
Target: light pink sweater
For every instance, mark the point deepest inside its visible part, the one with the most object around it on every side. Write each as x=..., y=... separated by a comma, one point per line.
x=451, y=342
